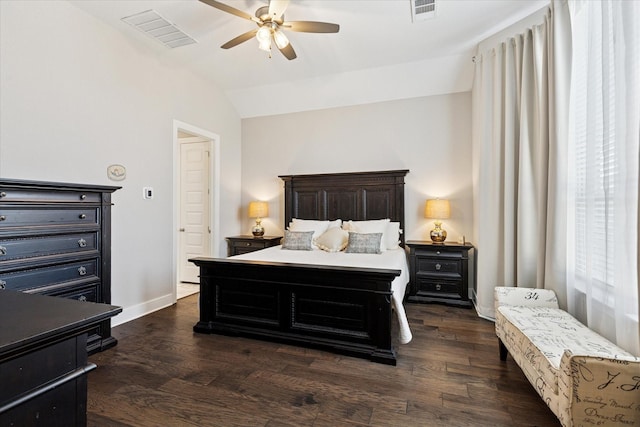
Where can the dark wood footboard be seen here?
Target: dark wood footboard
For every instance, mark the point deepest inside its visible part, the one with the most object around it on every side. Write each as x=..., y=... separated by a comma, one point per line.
x=342, y=309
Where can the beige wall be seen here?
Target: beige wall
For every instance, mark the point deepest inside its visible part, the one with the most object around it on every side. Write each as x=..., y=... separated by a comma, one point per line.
x=430, y=136
x=76, y=96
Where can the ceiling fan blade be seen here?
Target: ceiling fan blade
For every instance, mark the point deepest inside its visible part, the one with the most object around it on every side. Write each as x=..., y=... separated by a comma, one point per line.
x=311, y=27
x=231, y=10
x=288, y=52
x=240, y=39
x=277, y=8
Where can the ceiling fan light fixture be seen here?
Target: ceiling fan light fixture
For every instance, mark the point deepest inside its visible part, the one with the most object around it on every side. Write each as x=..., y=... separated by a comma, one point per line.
x=263, y=34
x=281, y=39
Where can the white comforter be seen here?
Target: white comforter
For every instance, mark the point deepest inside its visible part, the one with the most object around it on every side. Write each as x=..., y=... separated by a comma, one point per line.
x=395, y=259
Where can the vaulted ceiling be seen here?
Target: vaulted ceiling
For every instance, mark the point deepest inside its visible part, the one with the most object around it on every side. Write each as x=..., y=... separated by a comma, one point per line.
x=379, y=54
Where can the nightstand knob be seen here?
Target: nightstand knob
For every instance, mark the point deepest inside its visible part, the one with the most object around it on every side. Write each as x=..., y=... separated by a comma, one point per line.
x=3, y=194
x=82, y=216
x=83, y=196
x=438, y=266
x=248, y=244
x=3, y=250
x=82, y=271
x=438, y=287
x=3, y=284
x=437, y=252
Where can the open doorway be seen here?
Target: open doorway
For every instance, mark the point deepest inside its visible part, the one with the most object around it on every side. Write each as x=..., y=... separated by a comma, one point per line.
x=196, y=207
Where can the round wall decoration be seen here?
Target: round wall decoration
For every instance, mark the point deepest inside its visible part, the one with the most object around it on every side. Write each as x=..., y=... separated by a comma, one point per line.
x=116, y=172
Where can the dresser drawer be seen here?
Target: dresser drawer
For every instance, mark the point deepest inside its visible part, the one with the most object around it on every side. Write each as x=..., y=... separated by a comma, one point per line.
x=10, y=217
x=85, y=293
x=439, y=266
x=20, y=248
x=10, y=195
x=45, y=279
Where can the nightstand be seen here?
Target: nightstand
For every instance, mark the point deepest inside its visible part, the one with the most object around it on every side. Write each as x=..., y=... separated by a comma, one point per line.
x=441, y=272
x=244, y=244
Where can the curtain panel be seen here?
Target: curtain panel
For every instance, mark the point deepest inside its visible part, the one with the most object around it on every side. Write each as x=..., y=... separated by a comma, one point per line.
x=519, y=120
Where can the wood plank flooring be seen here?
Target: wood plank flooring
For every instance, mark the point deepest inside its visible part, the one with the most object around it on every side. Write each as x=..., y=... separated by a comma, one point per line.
x=163, y=374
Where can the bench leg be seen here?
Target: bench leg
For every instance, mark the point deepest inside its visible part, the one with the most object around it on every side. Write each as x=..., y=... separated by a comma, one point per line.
x=503, y=350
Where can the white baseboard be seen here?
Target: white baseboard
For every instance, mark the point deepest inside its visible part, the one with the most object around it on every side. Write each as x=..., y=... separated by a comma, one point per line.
x=131, y=313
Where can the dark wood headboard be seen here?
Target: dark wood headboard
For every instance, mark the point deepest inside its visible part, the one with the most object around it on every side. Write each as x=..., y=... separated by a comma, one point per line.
x=356, y=196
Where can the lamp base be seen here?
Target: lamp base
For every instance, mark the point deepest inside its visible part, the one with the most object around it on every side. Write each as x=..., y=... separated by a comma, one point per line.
x=257, y=230
x=438, y=235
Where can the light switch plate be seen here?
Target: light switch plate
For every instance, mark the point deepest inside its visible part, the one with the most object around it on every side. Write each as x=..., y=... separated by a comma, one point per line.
x=147, y=192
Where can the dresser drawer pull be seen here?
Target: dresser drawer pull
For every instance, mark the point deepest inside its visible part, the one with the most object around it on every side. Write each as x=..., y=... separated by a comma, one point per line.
x=82, y=271
x=3, y=250
x=248, y=244
x=3, y=194
x=82, y=243
x=3, y=284
x=82, y=298
x=438, y=287
x=83, y=196
x=438, y=267
x=82, y=216
x=2, y=217
x=437, y=252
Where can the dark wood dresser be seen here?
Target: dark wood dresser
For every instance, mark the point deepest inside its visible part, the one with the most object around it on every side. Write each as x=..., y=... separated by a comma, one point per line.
x=43, y=358
x=441, y=272
x=55, y=239
x=238, y=245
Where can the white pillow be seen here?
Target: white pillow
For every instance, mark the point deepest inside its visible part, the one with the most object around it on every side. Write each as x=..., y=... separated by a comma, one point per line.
x=335, y=239
x=391, y=236
x=371, y=226
x=318, y=227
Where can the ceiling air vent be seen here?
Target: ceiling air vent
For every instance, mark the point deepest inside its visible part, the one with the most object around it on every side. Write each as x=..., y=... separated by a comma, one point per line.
x=422, y=9
x=154, y=25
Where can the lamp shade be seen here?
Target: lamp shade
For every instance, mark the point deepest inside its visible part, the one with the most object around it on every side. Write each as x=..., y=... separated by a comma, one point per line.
x=258, y=209
x=437, y=209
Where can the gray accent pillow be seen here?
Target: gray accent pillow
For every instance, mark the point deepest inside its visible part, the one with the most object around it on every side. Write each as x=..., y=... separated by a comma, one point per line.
x=297, y=240
x=364, y=243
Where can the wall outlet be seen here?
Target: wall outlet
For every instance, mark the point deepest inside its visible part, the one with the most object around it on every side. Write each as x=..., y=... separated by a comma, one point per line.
x=147, y=192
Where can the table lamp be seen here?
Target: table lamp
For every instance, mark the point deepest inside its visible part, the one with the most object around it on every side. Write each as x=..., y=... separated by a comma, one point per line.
x=258, y=210
x=437, y=209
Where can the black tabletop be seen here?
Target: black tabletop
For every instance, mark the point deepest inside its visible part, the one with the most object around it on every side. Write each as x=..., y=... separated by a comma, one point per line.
x=28, y=320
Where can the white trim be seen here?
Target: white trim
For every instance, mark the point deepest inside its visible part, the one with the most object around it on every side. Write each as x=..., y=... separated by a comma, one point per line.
x=214, y=184
x=131, y=313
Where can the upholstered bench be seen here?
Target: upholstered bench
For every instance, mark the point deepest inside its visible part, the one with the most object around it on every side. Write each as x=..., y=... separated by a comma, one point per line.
x=585, y=379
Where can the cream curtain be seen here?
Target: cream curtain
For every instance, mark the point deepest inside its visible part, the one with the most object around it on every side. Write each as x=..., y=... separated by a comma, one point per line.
x=519, y=120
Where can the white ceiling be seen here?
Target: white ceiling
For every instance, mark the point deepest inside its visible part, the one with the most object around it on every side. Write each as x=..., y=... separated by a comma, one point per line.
x=379, y=53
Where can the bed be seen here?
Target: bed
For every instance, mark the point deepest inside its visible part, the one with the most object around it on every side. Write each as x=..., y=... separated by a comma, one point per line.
x=345, y=309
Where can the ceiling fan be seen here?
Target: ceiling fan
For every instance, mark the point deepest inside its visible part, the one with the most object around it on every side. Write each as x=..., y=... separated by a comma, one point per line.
x=270, y=21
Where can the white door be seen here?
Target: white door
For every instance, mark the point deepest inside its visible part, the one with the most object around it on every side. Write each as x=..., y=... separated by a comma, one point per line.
x=194, y=208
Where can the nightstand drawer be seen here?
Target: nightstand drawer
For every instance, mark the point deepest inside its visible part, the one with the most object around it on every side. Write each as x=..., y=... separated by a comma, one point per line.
x=250, y=245
x=435, y=266
x=239, y=245
x=439, y=288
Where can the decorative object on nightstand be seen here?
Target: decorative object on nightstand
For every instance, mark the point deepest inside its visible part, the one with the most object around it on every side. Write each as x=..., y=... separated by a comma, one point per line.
x=258, y=210
x=437, y=209
x=441, y=272
x=238, y=245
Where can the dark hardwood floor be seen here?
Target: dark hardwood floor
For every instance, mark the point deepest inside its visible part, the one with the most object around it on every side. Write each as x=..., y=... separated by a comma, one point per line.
x=162, y=374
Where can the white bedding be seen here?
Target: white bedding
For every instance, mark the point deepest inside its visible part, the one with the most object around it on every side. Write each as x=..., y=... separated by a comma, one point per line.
x=395, y=259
